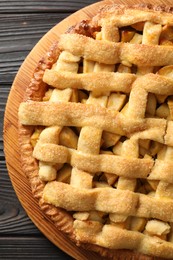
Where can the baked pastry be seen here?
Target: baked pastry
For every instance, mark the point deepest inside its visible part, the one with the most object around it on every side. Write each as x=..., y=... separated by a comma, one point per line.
x=96, y=132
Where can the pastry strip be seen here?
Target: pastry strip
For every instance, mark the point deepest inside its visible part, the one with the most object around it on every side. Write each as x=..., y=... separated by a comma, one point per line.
x=98, y=82
x=125, y=15
x=115, y=238
x=109, y=81
x=127, y=167
x=58, y=194
x=113, y=53
x=77, y=114
x=162, y=170
x=108, y=200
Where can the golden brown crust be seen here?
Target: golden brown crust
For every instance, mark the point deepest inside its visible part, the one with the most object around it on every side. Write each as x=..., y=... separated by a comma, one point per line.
x=113, y=53
x=35, y=91
x=121, y=202
x=30, y=167
x=136, y=13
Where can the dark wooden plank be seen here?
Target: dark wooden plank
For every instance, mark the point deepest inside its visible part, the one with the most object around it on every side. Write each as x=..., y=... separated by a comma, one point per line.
x=16, y=40
x=29, y=247
x=13, y=6
x=22, y=24
x=13, y=219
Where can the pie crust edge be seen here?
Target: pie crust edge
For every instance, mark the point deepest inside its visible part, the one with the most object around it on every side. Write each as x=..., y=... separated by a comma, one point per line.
x=35, y=91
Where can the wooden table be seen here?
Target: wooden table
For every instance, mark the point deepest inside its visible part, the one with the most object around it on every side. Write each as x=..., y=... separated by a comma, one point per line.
x=22, y=24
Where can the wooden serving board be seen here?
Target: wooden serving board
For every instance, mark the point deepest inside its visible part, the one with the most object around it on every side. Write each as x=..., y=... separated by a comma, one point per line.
x=11, y=147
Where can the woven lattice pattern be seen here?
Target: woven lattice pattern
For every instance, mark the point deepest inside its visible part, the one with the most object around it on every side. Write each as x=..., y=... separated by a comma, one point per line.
x=106, y=149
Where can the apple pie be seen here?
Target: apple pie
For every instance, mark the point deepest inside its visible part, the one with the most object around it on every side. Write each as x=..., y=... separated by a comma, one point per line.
x=96, y=132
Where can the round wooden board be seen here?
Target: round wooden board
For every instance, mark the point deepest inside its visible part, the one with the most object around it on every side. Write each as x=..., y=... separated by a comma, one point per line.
x=11, y=147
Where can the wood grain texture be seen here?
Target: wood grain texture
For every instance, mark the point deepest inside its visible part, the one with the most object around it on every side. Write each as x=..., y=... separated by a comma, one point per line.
x=29, y=247
x=12, y=6
x=17, y=40
x=22, y=24
x=11, y=146
x=26, y=25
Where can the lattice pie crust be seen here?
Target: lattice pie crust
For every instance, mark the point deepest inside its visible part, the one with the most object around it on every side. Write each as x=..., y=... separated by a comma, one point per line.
x=96, y=132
